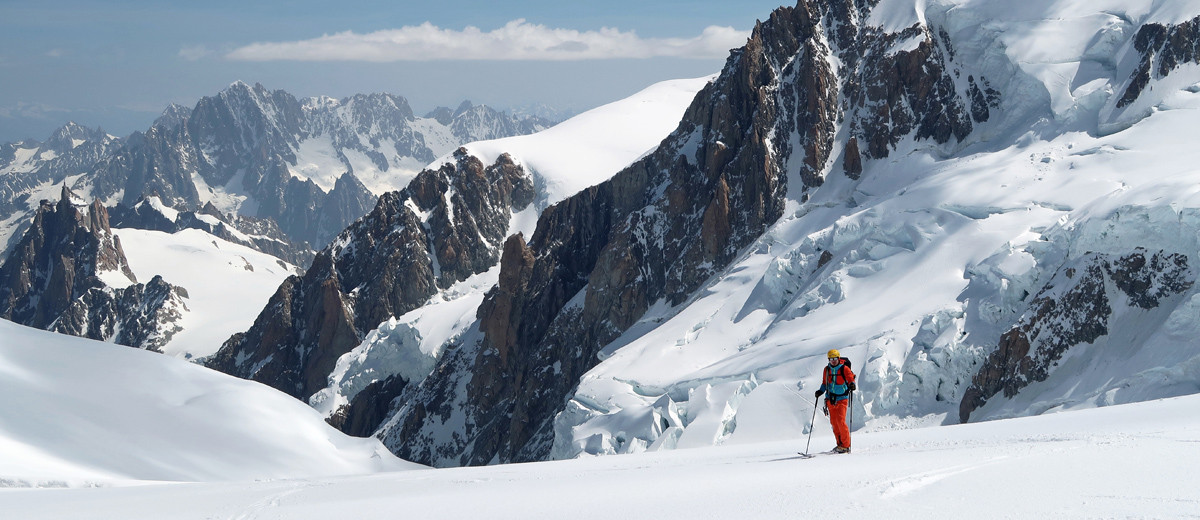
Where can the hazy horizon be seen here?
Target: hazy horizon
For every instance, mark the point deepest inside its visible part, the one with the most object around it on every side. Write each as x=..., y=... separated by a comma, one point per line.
x=118, y=64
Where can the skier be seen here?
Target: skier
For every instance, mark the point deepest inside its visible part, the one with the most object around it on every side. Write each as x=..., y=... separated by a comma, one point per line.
x=836, y=383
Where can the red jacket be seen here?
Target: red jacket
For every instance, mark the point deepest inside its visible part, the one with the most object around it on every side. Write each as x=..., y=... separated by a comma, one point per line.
x=836, y=380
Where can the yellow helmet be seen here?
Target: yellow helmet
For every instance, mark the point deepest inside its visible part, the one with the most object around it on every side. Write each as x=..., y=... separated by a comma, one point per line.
x=834, y=354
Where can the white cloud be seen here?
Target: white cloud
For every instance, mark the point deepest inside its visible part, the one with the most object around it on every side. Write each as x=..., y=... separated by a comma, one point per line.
x=56, y=53
x=517, y=40
x=194, y=52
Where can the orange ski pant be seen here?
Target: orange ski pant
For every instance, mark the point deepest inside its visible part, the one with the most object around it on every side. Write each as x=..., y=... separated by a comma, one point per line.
x=837, y=417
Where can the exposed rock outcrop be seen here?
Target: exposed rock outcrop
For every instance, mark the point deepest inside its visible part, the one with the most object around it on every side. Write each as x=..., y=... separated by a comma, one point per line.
x=446, y=226
x=26, y=165
x=1074, y=309
x=1163, y=48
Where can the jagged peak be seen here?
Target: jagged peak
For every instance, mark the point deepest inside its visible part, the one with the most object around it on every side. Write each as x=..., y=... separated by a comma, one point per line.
x=463, y=107
x=241, y=89
x=68, y=197
x=172, y=116
x=442, y=115
x=239, y=85
x=97, y=218
x=71, y=135
x=175, y=110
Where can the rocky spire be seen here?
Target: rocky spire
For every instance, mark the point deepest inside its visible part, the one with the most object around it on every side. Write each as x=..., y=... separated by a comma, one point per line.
x=52, y=280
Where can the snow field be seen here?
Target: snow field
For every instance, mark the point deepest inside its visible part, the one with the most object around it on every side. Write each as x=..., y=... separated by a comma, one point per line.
x=227, y=283
x=1122, y=461
x=85, y=413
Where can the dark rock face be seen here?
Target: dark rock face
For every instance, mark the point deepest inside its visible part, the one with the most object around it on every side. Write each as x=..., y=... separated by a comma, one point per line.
x=369, y=408
x=142, y=315
x=1074, y=308
x=51, y=281
x=57, y=260
x=658, y=230
x=446, y=226
x=906, y=93
x=1163, y=48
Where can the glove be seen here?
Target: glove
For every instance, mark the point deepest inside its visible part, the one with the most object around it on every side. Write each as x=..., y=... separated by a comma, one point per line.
x=818, y=394
x=852, y=387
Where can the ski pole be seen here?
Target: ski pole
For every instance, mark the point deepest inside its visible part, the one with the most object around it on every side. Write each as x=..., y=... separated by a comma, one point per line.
x=812, y=424
x=851, y=425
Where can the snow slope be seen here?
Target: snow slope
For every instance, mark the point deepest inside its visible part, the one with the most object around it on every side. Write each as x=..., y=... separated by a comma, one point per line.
x=591, y=147
x=78, y=412
x=227, y=283
x=1117, y=462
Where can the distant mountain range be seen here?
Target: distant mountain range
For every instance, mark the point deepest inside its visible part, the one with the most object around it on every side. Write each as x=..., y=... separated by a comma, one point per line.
x=311, y=165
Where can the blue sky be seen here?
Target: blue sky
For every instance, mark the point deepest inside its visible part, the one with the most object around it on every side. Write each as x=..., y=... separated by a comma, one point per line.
x=118, y=63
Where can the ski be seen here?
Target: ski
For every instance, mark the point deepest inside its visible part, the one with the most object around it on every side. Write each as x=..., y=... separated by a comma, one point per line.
x=811, y=455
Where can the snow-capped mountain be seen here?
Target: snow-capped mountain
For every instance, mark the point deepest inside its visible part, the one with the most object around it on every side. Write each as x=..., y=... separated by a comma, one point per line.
x=75, y=271
x=31, y=171
x=986, y=221
x=989, y=207
x=311, y=165
x=984, y=205
x=256, y=168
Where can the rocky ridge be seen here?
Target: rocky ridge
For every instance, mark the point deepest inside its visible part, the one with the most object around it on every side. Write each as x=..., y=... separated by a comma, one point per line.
x=72, y=150
x=447, y=225
x=54, y=280
x=1073, y=310
x=151, y=214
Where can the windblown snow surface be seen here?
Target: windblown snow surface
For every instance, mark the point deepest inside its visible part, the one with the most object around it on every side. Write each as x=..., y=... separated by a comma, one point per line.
x=92, y=430
x=593, y=146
